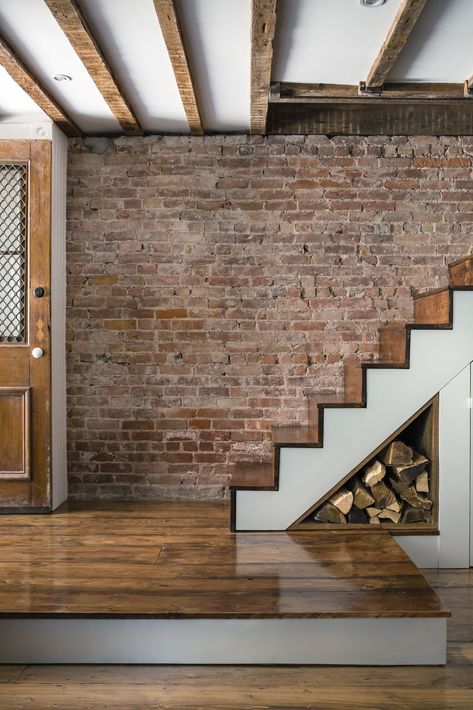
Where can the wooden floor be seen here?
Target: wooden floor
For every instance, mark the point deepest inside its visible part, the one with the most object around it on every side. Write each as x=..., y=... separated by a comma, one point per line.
x=172, y=560
x=76, y=558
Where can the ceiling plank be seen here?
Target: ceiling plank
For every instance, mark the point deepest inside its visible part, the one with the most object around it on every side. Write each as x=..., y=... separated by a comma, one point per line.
x=263, y=25
x=403, y=24
x=74, y=25
x=171, y=29
x=20, y=73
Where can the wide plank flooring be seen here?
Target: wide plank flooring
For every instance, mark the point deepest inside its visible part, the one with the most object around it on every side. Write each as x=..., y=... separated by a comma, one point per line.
x=87, y=555
x=179, y=560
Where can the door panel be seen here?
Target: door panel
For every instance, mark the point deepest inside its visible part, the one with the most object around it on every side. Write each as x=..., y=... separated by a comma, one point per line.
x=25, y=387
x=15, y=442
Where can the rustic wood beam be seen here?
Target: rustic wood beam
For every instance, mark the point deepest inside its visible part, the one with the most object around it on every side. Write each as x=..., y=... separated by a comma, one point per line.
x=74, y=25
x=263, y=24
x=171, y=29
x=286, y=92
x=20, y=73
x=403, y=24
x=372, y=117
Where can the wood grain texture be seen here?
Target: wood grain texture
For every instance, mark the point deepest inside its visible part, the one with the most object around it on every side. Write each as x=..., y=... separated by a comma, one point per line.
x=30, y=83
x=402, y=25
x=292, y=91
x=171, y=29
x=18, y=370
x=263, y=25
x=15, y=442
x=433, y=307
x=108, y=687
x=72, y=22
x=460, y=273
x=393, y=343
x=371, y=116
x=149, y=565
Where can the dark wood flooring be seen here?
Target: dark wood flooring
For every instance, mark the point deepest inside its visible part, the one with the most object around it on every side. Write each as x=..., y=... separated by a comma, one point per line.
x=175, y=560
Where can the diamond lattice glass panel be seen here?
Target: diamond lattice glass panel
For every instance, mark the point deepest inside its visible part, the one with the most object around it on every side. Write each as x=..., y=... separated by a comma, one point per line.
x=13, y=253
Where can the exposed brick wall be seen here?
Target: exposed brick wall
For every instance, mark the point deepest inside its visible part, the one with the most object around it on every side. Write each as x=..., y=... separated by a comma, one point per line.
x=213, y=281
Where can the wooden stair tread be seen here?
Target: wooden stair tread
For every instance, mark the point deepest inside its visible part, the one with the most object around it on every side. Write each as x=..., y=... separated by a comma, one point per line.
x=294, y=435
x=249, y=475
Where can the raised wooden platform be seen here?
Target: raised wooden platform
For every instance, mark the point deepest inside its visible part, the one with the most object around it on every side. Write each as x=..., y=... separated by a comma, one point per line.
x=171, y=580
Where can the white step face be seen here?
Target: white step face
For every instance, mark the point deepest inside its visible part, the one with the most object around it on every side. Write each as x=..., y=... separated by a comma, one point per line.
x=414, y=641
x=350, y=435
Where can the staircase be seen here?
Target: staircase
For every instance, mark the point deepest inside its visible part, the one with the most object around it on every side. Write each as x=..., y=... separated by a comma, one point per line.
x=415, y=361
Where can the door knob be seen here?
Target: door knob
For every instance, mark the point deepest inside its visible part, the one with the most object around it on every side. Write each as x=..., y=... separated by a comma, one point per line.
x=38, y=292
x=37, y=353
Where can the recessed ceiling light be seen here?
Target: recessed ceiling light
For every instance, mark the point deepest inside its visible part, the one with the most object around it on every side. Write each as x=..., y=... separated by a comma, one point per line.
x=62, y=77
x=371, y=3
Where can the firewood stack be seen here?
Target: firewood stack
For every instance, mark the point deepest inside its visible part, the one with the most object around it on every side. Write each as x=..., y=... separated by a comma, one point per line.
x=394, y=488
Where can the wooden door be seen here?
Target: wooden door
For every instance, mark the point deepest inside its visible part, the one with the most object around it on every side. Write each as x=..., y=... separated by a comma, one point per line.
x=25, y=358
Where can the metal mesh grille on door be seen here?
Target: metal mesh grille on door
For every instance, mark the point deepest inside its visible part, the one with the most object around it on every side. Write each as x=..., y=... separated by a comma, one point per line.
x=13, y=251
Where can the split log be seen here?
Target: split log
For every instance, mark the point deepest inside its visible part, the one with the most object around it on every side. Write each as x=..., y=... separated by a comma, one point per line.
x=397, y=454
x=396, y=506
x=373, y=473
x=343, y=500
x=328, y=513
x=398, y=485
x=358, y=516
x=407, y=473
x=361, y=496
x=383, y=496
x=422, y=482
x=390, y=515
x=416, y=515
x=373, y=512
x=411, y=496
x=375, y=520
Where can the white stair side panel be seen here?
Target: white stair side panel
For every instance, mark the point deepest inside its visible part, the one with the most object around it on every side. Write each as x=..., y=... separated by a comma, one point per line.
x=350, y=435
x=454, y=472
x=422, y=549
x=412, y=641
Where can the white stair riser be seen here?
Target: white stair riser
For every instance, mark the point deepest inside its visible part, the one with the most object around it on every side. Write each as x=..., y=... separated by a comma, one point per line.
x=225, y=641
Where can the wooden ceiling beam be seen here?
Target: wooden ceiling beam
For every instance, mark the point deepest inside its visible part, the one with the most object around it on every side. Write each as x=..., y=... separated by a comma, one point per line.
x=263, y=25
x=171, y=29
x=288, y=92
x=74, y=25
x=30, y=83
x=372, y=117
x=402, y=26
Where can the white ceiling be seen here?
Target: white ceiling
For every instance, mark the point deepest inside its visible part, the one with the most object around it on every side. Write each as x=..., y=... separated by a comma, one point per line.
x=330, y=41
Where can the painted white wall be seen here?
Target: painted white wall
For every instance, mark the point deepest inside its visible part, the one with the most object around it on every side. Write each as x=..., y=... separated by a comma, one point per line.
x=332, y=41
x=58, y=318
x=217, y=36
x=34, y=34
x=131, y=38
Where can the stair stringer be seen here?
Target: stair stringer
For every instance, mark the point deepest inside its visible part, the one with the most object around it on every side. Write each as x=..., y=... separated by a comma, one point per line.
x=351, y=434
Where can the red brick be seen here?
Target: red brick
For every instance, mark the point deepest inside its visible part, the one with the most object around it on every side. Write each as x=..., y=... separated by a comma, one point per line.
x=239, y=283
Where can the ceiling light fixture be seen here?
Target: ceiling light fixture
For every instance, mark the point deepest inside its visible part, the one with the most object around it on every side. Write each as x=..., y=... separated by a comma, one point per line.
x=371, y=3
x=62, y=77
